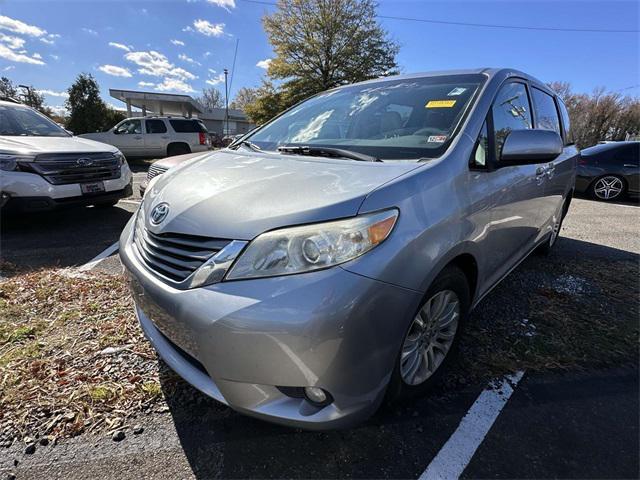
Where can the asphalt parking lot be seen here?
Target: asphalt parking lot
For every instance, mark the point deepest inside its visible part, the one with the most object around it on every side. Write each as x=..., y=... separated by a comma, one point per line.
x=579, y=423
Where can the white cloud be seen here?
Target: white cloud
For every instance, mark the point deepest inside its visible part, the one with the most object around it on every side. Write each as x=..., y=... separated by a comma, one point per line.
x=59, y=109
x=53, y=93
x=226, y=4
x=115, y=71
x=16, y=26
x=207, y=53
x=179, y=43
x=158, y=65
x=50, y=38
x=264, y=63
x=146, y=84
x=10, y=67
x=188, y=59
x=55, y=57
x=37, y=55
x=207, y=28
x=48, y=41
x=216, y=80
x=20, y=57
x=121, y=46
x=14, y=43
x=174, y=85
x=89, y=31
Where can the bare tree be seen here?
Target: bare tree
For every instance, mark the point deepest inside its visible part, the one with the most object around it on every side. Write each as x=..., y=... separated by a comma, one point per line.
x=600, y=115
x=211, y=98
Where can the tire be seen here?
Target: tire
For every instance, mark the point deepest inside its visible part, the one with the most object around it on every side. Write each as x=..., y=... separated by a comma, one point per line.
x=608, y=188
x=547, y=246
x=177, y=149
x=450, y=285
x=107, y=204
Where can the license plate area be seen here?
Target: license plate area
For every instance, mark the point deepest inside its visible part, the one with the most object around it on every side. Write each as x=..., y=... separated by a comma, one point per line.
x=92, y=188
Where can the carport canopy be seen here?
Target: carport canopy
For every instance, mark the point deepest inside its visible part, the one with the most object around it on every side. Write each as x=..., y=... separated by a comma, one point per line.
x=158, y=103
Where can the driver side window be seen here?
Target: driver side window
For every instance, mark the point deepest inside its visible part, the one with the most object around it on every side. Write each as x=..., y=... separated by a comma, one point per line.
x=511, y=111
x=129, y=127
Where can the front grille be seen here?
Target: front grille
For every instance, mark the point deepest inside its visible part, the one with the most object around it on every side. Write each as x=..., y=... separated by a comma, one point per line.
x=155, y=170
x=66, y=168
x=174, y=255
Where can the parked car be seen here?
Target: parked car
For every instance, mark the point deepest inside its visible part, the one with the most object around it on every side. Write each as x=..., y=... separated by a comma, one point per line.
x=330, y=259
x=609, y=171
x=156, y=136
x=161, y=166
x=43, y=167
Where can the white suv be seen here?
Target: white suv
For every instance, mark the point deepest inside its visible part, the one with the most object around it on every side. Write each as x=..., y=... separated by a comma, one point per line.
x=43, y=167
x=156, y=136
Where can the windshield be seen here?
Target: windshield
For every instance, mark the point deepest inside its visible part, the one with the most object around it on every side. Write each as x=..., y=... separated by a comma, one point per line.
x=25, y=122
x=395, y=119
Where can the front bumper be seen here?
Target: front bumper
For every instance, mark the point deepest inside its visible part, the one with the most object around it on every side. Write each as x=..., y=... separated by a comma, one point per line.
x=29, y=192
x=238, y=341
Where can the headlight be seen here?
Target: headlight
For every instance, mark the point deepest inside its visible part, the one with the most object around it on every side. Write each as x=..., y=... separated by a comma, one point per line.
x=9, y=161
x=312, y=247
x=121, y=158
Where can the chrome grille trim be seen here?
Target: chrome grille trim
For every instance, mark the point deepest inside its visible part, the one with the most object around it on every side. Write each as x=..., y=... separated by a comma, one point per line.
x=64, y=169
x=155, y=170
x=172, y=256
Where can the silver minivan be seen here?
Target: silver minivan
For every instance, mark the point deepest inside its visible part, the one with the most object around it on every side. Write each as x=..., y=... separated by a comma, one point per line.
x=328, y=260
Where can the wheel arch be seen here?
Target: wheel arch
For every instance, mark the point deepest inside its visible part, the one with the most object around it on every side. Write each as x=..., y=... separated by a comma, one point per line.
x=178, y=144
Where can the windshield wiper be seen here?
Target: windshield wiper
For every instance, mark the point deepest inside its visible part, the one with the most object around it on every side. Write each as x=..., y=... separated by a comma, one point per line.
x=327, y=151
x=249, y=144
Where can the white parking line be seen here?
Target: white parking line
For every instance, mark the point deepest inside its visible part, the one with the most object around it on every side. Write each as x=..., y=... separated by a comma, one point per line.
x=456, y=454
x=98, y=258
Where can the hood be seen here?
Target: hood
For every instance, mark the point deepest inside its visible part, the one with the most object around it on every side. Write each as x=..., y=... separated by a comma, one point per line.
x=36, y=145
x=170, y=162
x=237, y=196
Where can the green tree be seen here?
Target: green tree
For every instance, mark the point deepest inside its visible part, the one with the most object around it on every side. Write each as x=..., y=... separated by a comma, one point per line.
x=8, y=89
x=318, y=45
x=87, y=112
x=244, y=97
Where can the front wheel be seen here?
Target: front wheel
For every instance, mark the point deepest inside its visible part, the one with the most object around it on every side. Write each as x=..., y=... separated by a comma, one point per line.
x=432, y=337
x=608, y=188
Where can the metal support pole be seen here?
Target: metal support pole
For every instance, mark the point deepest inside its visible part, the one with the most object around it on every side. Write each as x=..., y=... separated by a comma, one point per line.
x=226, y=103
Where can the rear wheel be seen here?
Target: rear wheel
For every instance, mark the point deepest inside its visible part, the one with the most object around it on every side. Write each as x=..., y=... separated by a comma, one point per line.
x=547, y=246
x=177, y=149
x=433, y=335
x=607, y=188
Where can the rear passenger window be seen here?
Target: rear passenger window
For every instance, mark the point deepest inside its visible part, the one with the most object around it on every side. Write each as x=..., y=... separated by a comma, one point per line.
x=546, y=112
x=187, y=126
x=510, y=112
x=566, y=124
x=156, y=126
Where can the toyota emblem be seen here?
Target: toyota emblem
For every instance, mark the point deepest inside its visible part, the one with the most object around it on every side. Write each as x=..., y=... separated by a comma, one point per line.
x=159, y=213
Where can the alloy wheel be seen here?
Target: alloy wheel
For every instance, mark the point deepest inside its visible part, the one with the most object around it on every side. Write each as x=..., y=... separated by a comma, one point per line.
x=430, y=337
x=608, y=188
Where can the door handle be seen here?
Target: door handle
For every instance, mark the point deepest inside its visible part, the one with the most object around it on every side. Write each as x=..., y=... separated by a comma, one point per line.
x=540, y=174
x=550, y=169
x=165, y=136
x=630, y=165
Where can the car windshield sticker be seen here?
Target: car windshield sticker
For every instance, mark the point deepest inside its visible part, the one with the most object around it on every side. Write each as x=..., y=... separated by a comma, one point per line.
x=440, y=104
x=437, y=139
x=456, y=91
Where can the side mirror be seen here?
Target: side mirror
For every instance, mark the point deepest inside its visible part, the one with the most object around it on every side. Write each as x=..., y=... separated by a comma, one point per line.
x=524, y=147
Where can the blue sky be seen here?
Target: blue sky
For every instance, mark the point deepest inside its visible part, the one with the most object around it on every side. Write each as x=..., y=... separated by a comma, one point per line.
x=183, y=45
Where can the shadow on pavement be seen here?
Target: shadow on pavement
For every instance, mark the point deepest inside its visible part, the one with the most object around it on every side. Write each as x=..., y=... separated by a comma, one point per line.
x=62, y=238
x=398, y=442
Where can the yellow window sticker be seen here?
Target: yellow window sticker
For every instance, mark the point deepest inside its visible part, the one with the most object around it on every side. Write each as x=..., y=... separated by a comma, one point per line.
x=440, y=104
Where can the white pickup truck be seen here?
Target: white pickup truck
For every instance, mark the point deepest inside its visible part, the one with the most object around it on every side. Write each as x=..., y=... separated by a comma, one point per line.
x=156, y=136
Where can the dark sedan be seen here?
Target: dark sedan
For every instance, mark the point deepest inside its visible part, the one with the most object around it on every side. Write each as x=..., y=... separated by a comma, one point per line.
x=609, y=171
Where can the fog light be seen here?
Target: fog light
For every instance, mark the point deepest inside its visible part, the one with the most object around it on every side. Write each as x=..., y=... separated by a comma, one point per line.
x=316, y=395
